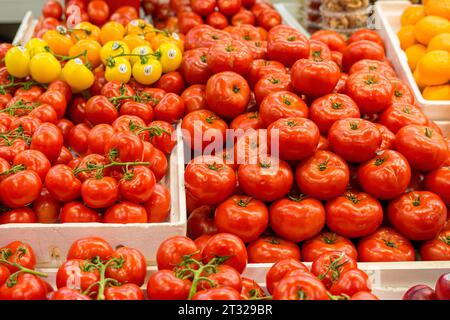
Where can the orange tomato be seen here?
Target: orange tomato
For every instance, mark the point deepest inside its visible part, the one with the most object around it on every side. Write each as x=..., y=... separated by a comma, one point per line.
x=92, y=49
x=58, y=42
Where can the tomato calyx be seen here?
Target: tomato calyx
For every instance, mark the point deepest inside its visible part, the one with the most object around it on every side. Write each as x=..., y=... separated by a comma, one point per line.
x=352, y=197
x=23, y=106
x=354, y=125
x=10, y=137
x=229, y=48
x=339, y=297
x=301, y=295
x=334, y=268
x=265, y=164
x=244, y=203
x=389, y=243
x=324, y=165
x=236, y=89
x=286, y=101
x=370, y=80
x=336, y=105
x=5, y=254
x=416, y=201
x=445, y=240
x=272, y=241
x=379, y=161
x=317, y=56
x=291, y=123
x=203, y=58
x=215, y=166
x=398, y=94
x=210, y=119
x=429, y=132
x=274, y=80
x=329, y=240
x=296, y=196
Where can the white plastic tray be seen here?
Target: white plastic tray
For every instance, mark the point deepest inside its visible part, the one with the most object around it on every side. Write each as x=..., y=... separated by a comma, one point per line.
x=388, y=14
x=52, y=241
x=389, y=280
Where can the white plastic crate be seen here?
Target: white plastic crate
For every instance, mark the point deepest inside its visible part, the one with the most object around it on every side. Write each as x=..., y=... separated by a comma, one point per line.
x=52, y=241
x=388, y=14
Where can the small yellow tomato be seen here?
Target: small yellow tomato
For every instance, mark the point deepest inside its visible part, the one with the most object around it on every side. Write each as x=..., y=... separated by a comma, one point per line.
x=85, y=30
x=118, y=69
x=147, y=72
x=35, y=46
x=92, y=49
x=138, y=26
x=170, y=57
x=113, y=48
x=135, y=40
x=77, y=75
x=58, y=41
x=111, y=31
x=17, y=62
x=44, y=68
x=142, y=51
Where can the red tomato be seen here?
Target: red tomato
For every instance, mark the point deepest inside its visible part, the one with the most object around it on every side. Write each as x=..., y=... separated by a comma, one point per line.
x=203, y=7
x=98, y=136
x=201, y=222
x=159, y=204
x=402, y=114
x=243, y=17
x=327, y=241
x=124, y=147
x=66, y=293
x=194, y=67
x=424, y=149
x=251, y=289
x=77, y=110
x=170, y=108
x=385, y=245
x=385, y=176
x=300, y=287
x=99, y=193
x=52, y=9
x=280, y=269
x=229, y=7
x=125, y=212
x=224, y=293
x=269, y=83
x=296, y=138
x=188, y=20
x=286, y=45
x=56, y=99
x=77, y=138
x=366, y=34
x=49, y=140
x=436, y=249
x=270, y=249
x=141, y=110
x=261, y=67
x=323, y=176
x=73, y=212
x=33, y=160
x=224, y=276
x=19, y=253
x=98, y=12
x=268, y=19
x=364, y=295
x=319, y=51
x=128, y=291
x=164, y=285
x=171, y=82
x=138, y=185
x=402, y=92
x=20, y=189
x=334, y=40
x=46, y=208
x=194, y=98
x=73, y=273
x=204, y=36
x=227, y=245
x=232, y=55
x=297, y=218
x=132, y=270
x=217, y=20
x=336, y=57
x=372, y=92
x=227, y=94
x=27, y=287
x=158, y=161
x=331, y=265
x=375, y=66
x=387, y=137
x=243, y=216
x=62, y=184
x=249, y=120
x=438, y=181
x=20, y=215
x=100, y=110
x=359, y=50
x=351, y=282
x=171, y=252
x=88, y=248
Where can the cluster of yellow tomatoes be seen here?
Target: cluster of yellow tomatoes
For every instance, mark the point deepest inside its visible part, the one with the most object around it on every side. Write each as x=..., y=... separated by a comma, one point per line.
x=137, y=50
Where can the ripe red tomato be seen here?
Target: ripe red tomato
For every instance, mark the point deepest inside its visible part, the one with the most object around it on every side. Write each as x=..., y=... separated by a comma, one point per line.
x=354, y=139
x=224, y=276
x=132, y=270
x=280, y=269
x=125, y=212
x=438, y=248
x=385, y=245
x=231, y=55
x=324, y=176
x=261, y=67
x=56, y=99
x=327, y=241
x=49, y=140
x=159, y=204
x=354, y=215
x=249, y=120
x=46, y=208
x=73, y=274
x=438, y=181
x=62, y=184
x=319, y=51
x=374, y=66
x=88, y=248
x=203, y=7
x=128, y=291
x=141, y=110
x=331, y=265
x=243, y=17
x=201, y=222
x=334, y=40
x=227, y=94
x=300, y=287
x=33, y=160
x=221, y=293
x=270, y=249
x=286, y=45
x=419, y=215
x=100, y=193
x=27, y=287
x=269, y=83
x=366, y=34
x=223, y=245
x=19, y=253
x=217, y=20
x=385, y=176
x=243, y=216
x=194, y=68
x=98, y=12
x=359, y=50
x=364, y=295
x=20, y=189
x=424, y=149
x=251, y=289
x=171, y=252
x=164, y=285
x=268, y=19
x=124, y=147
x=229, y=7
x=74, y=211
x=157, y=159
x=402, y=92
x=66, y=293
x=399, y=115
x=351, y=282
x=138, y=186
x=171, y=82
x=194, y=98
x=188, y=20
x=19, y=215
x=170, y=108
x=297, y=218
x=387, y=137
x=77, y=138
x=372, y=92
x=204, y=36
x=52, y=9
x=281, y=104
x=100, y=110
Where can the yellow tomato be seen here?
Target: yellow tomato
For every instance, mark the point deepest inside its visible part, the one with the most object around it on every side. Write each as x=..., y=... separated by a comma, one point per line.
x=134, y=40
x=430, y=26
x=85, y=30
x=173, y=38
x=414, y=53
x=58, y=42
x=118, y=69
x=434, y=68
x=77, y=75
x=148, y=72
x=36, y=45
x=92, y=49
x=411, y=15
x=142, y=51
x=111, y=31
x=113, y=48
x=138, y=26
x=17, y=62
x=44, y=68
x=438, y=8
x=170, y=57
x=437, y=92
x=406, y=37
x=440, y=42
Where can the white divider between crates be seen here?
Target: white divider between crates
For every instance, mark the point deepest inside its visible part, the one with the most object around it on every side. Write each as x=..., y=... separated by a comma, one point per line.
x=26, y=29
x=389, y=13
x=51, y=242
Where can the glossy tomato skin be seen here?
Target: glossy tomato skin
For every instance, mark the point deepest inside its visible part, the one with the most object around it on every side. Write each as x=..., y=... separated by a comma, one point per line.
x=330, y=108
x=232, y=55
x=420, y=292
x=66, y=293
x=385, y=245
x=354, y=139
x=243, y=17
x=372, y=92
x=265, y=178
x=20, y=188
x=49, y=140
x=297, y=138
x=201, y=222
x=164, y=285
x=224, y=293
x=159, y=204
x=374, y=66
x=270, y=249
x=227, y=94
x=399, y=115
x=286, y=45
x=319, y=51
x=140, y=187
x=20, y=253
x=251, y=289
x=100, y=110
x=324, y=176
x=225, y=276
x=387, y=137
x=281, y=104
x=141, y=110
x=436, y=249
x=262, y=67
x=19, y=215
x=351, y=282
x=217, y=20
x=27, y=287
x=73, y=272
x=442, y=287
x=385, y=176
x=314, y=78
x=100, y=193
x=402, y=92
x=300, y=287
x=226, y=245
x=125, y=212
x=424, y=149
x=171, y=251
x=327, y=241
x=360, y=50
x=334, y=40
x=133, y=270
x=419, y=215
x=249, y=120
x=171, y=82
x=88, y=248
x=438, y=181
x=204, y=36
x=77, y=138
x=203, y=8
x=297, y=218
x=243, y=216
x=229, y=7
x=280, y=269
x=188, y=20
x=127, y=291
x=366, y=34
x=194, y=98
x=354, y=215
x=331, y=265
x=62, y=184
x=33, y=160
x=77, y=212
x=271, y=82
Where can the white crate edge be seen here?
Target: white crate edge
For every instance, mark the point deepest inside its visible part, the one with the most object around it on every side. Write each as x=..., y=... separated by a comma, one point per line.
x=26, y=29
x=389, y=280
x=436, y=110
x=52, y=241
